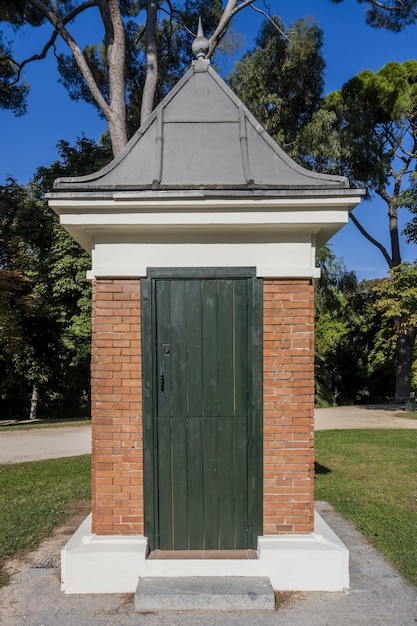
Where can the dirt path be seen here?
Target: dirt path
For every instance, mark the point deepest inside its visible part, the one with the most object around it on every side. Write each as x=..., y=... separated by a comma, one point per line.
x=17, y=446
x=344, y=417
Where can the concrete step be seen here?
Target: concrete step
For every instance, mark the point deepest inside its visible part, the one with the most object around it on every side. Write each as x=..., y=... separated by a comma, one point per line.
x=226, y=593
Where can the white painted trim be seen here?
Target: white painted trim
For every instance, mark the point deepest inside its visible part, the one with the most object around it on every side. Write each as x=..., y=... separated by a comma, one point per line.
x=112, y=564
x=100, y=221
x=164, y=205
x=141, y=271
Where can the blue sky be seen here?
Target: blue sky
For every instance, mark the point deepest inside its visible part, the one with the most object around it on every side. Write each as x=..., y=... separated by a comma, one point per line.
x=350, y=46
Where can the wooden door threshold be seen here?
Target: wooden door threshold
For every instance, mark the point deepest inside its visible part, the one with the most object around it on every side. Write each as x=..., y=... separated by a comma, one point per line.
x=202, y=554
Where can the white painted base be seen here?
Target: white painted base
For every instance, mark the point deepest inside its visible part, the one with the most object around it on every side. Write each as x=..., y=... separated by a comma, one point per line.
x=112, y=564
x=101, y=564
x=315, y=562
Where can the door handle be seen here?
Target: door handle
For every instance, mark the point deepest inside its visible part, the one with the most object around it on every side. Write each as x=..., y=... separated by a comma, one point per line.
x=161, y=380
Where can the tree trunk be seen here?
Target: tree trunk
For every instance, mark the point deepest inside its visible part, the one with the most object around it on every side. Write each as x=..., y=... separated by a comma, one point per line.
x=405, y=345
x=34, y=402
x=115, y=113
x=151, y=79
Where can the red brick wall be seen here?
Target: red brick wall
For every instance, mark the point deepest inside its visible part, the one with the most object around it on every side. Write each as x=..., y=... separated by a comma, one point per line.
x=288, y=406
x=117, y=471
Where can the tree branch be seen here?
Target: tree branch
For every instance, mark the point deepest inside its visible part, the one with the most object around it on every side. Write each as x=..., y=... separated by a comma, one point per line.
x=229, y=12
x=38, y=57
x=372, y=240
x=172, y=11
x=387, y=7
x=76, y=51
x=269, y=18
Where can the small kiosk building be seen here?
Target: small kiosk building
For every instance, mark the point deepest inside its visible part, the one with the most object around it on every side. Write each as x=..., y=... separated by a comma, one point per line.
x=202, y=235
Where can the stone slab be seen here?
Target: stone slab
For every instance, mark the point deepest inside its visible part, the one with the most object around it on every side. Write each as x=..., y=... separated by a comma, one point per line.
x=234, y=593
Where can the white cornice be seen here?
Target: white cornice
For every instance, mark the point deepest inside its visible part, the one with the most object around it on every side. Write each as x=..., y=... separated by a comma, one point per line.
x=123, y=201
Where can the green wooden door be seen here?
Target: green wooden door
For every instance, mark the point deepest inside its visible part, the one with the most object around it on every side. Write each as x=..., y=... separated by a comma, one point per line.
x=201, y=413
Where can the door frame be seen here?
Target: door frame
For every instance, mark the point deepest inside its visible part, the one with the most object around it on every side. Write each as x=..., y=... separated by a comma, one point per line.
x=255, y=390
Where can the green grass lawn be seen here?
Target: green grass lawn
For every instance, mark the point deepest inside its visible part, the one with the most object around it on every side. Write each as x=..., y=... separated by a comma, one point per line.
x=370, y=477
x=410, y=415
x=35, y=498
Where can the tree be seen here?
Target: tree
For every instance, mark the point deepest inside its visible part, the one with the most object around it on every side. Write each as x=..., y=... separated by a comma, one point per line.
x=392, y=14
x=331, y=327
x=397, y=300
x=45, y=297
x=22, y=349
x=141, y=41
x=15, y=299
x=281, y=81
x=353, y=355
x=371, y=131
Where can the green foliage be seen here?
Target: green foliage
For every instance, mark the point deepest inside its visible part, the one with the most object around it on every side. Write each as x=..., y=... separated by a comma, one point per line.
x=397, y=297
x=409, y=200
x=44, y=295
x=12, y=95
x=353, y=356
x=368, y=121
x=369, y=476
x=22, y=327
x=18, y=13
x=281, y=81
x=396, y=300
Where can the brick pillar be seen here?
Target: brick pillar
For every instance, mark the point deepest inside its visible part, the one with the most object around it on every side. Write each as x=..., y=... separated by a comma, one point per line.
x=117, y=469
x=288, y=406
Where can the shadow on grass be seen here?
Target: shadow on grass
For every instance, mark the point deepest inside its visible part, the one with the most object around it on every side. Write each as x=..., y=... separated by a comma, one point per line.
x=321, y=469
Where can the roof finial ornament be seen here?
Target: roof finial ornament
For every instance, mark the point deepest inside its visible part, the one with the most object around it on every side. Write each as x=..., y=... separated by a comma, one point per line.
x=200, y=45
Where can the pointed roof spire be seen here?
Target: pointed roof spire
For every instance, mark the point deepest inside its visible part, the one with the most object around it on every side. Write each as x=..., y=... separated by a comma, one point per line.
x=200, y=45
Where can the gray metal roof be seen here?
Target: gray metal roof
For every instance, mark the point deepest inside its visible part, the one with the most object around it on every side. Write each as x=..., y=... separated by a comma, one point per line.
x=202, y=137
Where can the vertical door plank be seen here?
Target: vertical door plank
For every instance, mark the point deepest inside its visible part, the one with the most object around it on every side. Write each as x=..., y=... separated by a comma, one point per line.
x=179, y=487
x=240, y=478
x=163, y=336
x=226, y=483
x=195, y=462
x=164, y=484
x=211, y=482
x=240, y=340
x=210, y=337
x=226, y=356
x=194, y=348
x=177, y=349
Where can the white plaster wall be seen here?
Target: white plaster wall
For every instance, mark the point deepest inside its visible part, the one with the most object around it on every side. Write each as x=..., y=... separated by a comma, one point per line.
x=272, y=259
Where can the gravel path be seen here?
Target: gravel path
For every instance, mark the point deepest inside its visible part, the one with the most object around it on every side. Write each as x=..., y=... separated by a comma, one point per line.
x=343, y=417
x=17, y=446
